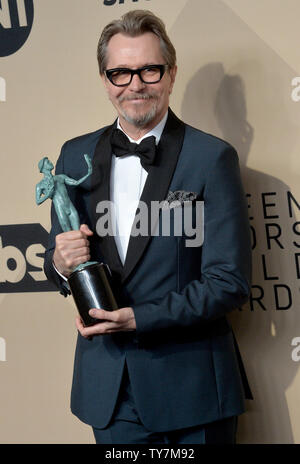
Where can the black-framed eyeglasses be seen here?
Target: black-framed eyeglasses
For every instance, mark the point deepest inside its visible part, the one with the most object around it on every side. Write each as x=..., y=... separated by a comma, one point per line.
x=148, y=74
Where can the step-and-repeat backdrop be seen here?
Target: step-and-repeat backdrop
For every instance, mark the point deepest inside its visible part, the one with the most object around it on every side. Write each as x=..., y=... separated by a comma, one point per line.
x=238, y=68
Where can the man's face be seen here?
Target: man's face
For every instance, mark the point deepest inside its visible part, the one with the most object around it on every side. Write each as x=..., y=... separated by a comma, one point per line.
x=139, y=104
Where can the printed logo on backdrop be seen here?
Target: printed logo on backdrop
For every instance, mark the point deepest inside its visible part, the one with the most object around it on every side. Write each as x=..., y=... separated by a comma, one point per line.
x=2, y=349
x=16, y=19
x=295, y=95
x=2, y=89
x=275, y=233
x=295, y=355
x=119, y=2
x=22, y=248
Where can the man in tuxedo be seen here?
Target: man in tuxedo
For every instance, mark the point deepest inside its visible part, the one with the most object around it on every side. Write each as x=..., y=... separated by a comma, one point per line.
x=164, y=367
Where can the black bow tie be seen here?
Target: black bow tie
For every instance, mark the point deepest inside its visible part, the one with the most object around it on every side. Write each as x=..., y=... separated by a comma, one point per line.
x=145, y=150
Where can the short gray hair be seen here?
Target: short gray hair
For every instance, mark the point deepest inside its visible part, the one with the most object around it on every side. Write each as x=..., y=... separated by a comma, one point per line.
x=133, y=24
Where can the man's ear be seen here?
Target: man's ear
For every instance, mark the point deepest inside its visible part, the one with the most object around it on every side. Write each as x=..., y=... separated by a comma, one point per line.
x=104, y=80
x=173, y=72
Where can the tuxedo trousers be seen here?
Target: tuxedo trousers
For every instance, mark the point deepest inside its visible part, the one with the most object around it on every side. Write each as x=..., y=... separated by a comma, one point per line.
x=125, y=426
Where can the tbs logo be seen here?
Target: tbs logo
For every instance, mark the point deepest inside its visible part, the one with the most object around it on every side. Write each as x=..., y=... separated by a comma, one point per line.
x=16, y=18
x=22, y=248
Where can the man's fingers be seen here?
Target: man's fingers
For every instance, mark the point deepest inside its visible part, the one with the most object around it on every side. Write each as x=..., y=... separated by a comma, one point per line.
x=74, y=253
x=96, y=329
x=78, y=323
x=86, y=230
x=77, y=243
x=70, y=235
x=72, y=248
x=101, y=314
x=80, y=327
x=72, y=242
x=73, y=238
x=109, y=322
x=71, y=258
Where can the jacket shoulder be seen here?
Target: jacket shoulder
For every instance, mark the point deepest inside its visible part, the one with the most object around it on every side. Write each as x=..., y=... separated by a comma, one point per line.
x=84, y=139
x=205, y=151
x=202, y=138
x=72, y=151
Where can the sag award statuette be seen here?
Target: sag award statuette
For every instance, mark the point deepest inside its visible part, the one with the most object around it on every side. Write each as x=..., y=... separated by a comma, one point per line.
x=90, y=283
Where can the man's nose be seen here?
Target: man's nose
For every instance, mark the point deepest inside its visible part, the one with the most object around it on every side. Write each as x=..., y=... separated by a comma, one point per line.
x=136, y=83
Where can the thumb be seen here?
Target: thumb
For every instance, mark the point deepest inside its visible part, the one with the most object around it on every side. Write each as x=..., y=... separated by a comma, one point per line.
x=85, y=229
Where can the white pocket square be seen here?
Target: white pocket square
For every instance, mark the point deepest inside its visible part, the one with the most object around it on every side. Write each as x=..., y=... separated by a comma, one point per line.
x=178, y=198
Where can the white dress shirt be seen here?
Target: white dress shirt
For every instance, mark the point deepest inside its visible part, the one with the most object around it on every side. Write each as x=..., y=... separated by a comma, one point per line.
x=127, y=180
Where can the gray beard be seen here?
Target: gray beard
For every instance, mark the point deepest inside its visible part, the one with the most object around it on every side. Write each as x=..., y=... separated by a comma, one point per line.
x=143, y=120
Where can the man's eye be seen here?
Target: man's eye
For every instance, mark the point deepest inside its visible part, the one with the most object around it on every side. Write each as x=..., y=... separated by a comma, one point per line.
x=151, y=70
x=121, y=72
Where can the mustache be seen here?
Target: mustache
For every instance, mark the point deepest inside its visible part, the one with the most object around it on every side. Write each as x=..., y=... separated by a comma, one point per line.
x=137, y=96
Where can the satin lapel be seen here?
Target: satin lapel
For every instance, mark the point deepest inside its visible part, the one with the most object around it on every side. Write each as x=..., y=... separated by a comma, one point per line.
x=101, y=192
x=157, y=184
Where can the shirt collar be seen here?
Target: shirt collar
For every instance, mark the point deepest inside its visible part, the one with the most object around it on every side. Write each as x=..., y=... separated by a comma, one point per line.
x=156, y=131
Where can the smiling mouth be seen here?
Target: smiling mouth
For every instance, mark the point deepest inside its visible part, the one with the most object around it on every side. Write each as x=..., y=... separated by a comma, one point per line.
x=136, y=98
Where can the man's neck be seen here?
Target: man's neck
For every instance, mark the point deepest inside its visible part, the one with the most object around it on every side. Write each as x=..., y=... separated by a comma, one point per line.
x=137, y=133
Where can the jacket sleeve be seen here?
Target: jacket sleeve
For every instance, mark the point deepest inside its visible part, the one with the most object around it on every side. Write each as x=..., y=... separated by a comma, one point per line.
x=226, y=258
x=49, y=269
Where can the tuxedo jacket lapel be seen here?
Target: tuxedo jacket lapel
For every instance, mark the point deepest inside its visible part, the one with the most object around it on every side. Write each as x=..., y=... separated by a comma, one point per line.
x=101, y=192
x=157, y=184
x=155, y=189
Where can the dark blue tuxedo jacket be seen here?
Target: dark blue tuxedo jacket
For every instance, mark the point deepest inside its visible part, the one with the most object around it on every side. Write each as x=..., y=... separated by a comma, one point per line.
x=183, y=362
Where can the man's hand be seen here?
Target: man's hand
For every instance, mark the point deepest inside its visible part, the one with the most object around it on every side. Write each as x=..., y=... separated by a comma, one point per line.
x=71, y=249
x=120, y=320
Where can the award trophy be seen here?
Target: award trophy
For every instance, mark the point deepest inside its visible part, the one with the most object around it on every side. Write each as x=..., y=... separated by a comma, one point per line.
x=90, y=282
